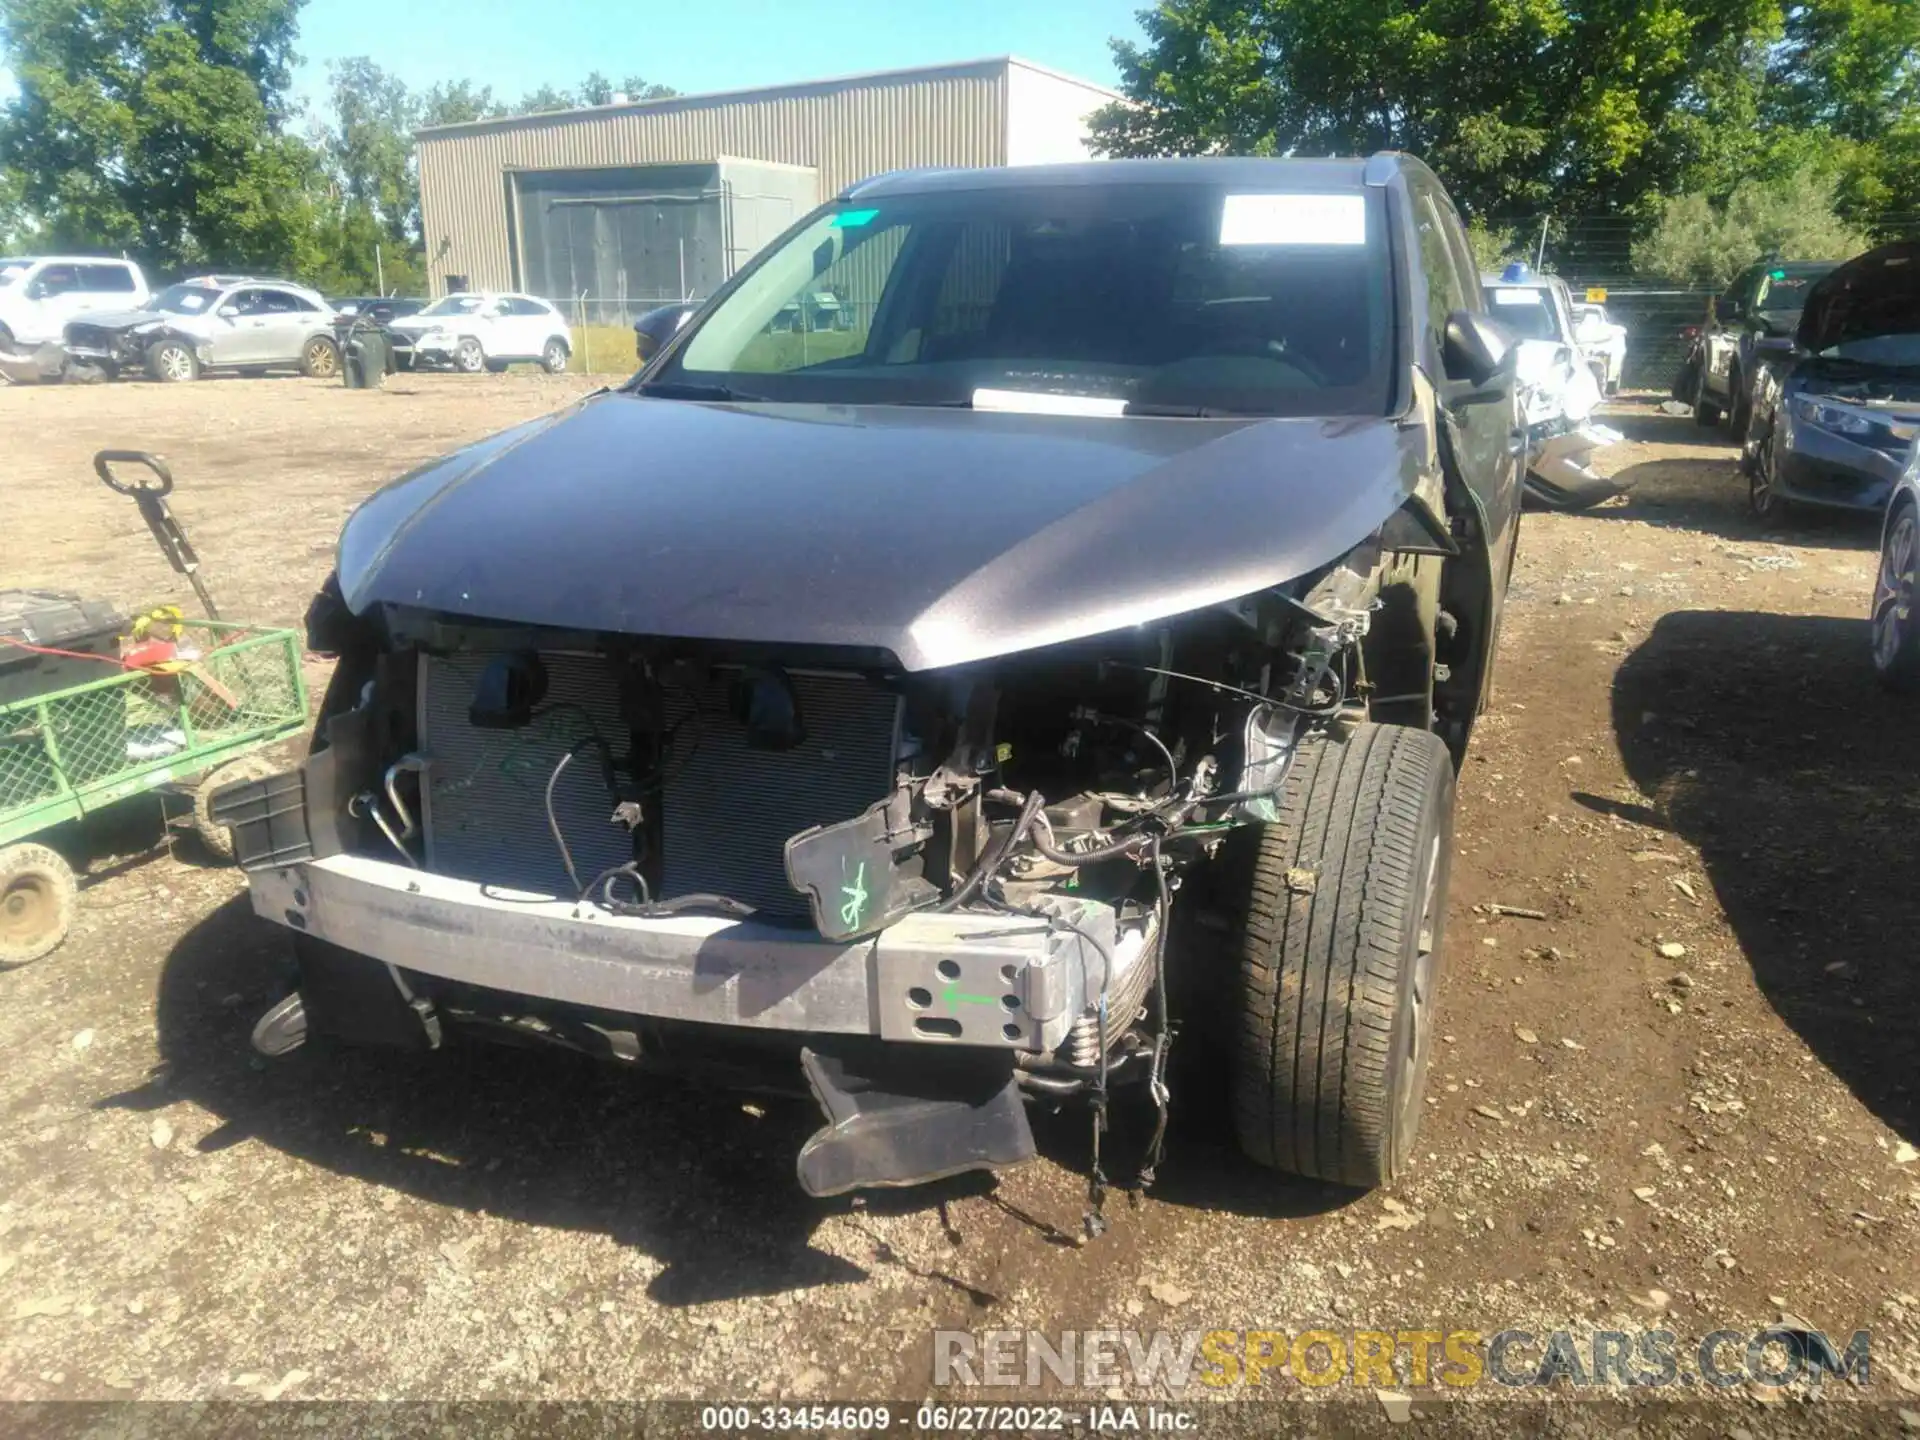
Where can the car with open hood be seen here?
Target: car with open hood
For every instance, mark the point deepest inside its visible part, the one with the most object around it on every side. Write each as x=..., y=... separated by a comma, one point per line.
x=212, y=322
x=1835, y=418
x=1068, y=649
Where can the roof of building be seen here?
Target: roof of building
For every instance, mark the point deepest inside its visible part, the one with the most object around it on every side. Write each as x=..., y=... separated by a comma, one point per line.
x=799, y=87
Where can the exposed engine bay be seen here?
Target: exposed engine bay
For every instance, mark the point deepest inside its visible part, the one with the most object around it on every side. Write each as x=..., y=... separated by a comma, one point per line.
x=1040, y=809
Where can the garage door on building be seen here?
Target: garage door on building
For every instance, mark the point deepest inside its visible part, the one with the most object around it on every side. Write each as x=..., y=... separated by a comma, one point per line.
x=610, y=242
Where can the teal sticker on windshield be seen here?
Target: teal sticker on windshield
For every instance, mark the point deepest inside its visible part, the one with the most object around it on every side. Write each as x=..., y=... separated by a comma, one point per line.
x=848, y=219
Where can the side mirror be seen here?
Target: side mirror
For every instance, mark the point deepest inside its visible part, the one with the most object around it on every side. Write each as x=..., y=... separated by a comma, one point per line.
x=1476, y=352
x=228, y=312
x=1775, y=345
x=653, y=329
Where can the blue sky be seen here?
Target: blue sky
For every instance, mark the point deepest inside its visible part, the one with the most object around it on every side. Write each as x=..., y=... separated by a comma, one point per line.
x=696, y=45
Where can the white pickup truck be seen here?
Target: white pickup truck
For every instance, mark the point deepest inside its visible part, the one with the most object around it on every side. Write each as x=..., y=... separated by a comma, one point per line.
x=39, y=294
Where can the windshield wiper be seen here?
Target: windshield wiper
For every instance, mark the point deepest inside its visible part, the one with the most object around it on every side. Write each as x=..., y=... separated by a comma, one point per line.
x=693, y=390
x=1185, y=412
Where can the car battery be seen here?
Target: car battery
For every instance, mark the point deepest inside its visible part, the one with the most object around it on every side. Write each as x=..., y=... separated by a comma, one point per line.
x=81, y=737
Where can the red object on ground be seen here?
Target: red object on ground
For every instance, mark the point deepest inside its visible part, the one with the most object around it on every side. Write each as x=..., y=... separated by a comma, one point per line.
x=146, y=654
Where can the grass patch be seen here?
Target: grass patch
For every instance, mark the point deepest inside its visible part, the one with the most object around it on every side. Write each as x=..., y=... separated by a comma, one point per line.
x=609, y=348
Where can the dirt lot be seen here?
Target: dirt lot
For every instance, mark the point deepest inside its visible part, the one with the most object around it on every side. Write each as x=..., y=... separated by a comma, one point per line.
x=1685, y=1098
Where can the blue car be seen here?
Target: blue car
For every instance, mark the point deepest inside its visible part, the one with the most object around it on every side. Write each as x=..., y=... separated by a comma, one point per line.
x=1835, y=423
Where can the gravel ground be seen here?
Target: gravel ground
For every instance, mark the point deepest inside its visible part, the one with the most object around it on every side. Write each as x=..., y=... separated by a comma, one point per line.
x=1685, y=1098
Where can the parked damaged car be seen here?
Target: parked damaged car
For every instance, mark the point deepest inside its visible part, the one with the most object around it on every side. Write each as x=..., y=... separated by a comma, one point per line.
x=1559, y=391
x=1748, y=326
x=1078, y=662
x=213, y=322
x=1836, y=416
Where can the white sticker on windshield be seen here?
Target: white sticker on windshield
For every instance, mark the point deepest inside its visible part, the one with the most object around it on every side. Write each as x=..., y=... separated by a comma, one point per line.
x=1046, y=402
x=1516, y=297
x=1294, y=220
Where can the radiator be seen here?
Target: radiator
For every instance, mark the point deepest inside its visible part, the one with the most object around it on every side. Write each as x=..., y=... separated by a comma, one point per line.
x=726, y=810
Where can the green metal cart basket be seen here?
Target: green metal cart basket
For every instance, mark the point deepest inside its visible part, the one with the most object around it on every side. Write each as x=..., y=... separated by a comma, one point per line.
x=182, y=709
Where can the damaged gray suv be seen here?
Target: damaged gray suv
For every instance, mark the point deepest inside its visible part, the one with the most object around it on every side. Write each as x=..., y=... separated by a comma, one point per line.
x=1067, y=651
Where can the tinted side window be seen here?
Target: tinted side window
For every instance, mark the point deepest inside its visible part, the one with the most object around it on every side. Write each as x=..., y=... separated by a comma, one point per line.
x=113, y=279
x=521, y=306
x=1465, y=266
x=58, y=280
x=1445, y=290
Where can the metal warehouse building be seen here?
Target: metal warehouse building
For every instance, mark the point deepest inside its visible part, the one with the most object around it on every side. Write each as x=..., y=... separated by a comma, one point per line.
x=612, y=209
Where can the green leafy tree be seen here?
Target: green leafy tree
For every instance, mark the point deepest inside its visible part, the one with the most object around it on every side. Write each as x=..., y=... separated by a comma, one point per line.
x=596, y=89
x=1697, y=240
x=155, y=126
x=1519, y=104
x=459, y=101
x=369, y=146
x=1847, y=67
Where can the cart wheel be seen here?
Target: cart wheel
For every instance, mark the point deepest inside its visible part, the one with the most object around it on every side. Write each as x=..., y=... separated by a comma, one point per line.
x=36, y=903
x=218, y=839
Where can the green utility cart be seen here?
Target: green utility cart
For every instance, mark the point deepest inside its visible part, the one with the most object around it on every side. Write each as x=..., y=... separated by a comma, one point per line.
x=95, y=708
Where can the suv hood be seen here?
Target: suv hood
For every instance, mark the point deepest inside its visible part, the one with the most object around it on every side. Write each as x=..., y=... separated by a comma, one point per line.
x=1877, y=293
x=940, y=536
x=124, y=319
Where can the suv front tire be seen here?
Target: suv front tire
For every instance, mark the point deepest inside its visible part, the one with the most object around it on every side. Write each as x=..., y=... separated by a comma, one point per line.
x=1340, y=906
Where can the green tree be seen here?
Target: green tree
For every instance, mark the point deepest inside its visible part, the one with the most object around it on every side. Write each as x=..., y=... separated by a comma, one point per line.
x=1847, y=67
x=369, y=146
x=155, y=126
x=1698, y=240
x=458, y=101
x=597, y=89
x=1586, y=105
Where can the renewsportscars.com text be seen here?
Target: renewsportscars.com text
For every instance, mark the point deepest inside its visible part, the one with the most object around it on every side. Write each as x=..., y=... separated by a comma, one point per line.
x=1458, y=1359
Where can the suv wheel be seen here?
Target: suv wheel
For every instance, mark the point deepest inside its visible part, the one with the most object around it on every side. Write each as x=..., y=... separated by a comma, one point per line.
x=470, y=357
x=1740, y=417
x=1896, y=639
x=554, y=358
x=320, y=359
x=172, y=360
x=1763, y=481
x=1340, y=909
x=1705, y=412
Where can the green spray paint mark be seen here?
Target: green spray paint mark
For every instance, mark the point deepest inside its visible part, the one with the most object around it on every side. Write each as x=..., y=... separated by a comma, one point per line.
x=856, y=900
x=852, y=219
x=954, y=996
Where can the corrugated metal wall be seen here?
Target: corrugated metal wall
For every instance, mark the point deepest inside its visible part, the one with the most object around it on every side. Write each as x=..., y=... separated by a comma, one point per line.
x=846, y=130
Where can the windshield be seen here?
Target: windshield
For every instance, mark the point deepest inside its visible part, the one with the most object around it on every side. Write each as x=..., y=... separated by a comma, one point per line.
x=1784, y=290
x=1526, y=311
x=12, y=270
x=1893, y=351
x=184, y=299
x=1176, y=296
x=455, y=305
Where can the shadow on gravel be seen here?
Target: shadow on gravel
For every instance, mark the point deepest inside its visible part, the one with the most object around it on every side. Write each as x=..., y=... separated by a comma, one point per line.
x=693, y=1178
x=1644, y=421
x=701, y=1180
x=1709, y=496
x=1765, y=741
